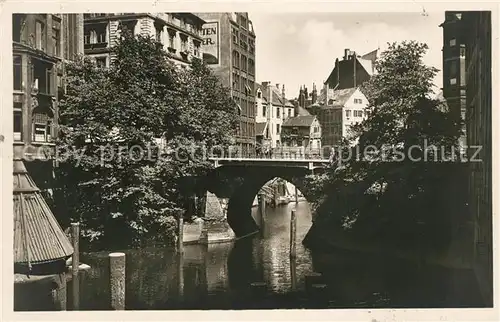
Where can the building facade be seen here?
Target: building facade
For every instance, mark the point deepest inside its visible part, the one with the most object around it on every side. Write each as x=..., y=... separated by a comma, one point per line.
x=41, y=44
x=479, y=133
x=337, y=112
x=454, y=69
x=273, y=109
x=229, y=49
x=180, y=33
x=301, y=136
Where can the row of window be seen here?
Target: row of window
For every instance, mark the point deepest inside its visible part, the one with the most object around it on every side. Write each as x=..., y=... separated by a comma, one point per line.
x=247, y=129
x=356, y=113
x=41, y=74
x=242, y=84
x=241, y=62
x=41, y=126
x=287, y=112
x=39, y=39
x=243, y=41
x=246, y=106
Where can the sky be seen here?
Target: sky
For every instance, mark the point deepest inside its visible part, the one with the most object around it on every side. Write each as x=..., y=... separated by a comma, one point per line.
x=297, y=49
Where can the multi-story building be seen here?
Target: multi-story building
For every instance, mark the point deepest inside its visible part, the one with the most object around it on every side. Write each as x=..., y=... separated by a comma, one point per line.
x=180, y=33
x=229, y=48
x=337, y=111
x=479, y=134
x=454, y=78
x=272, y=110
x=352, y=71
x=340, y=103
x=41, y=44
x=301, y=135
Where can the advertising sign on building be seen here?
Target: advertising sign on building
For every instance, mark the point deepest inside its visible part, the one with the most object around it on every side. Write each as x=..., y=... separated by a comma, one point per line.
x=211, y=43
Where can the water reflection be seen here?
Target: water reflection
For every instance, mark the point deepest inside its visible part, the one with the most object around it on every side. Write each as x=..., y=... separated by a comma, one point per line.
x=220, y=276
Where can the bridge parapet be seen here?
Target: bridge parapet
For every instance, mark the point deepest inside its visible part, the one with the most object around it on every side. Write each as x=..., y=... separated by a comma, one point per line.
x=270, y=162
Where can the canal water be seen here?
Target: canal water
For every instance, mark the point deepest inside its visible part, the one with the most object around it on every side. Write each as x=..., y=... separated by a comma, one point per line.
x=256, y=273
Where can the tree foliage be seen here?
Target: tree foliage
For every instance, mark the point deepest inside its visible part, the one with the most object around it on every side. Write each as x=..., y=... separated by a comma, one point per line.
x=114, y=176
x=394, y=153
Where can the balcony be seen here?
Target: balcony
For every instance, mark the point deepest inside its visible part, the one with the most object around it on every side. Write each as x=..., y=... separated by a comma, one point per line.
x=99, y=45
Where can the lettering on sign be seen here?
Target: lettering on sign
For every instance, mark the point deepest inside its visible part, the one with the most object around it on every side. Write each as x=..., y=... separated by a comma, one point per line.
x=210, y=34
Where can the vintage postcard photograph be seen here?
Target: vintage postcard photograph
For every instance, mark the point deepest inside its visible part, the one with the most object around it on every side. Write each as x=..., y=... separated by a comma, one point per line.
x=196, y=159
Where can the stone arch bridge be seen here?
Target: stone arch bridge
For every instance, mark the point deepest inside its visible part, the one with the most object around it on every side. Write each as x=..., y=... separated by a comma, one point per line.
x=251, y=174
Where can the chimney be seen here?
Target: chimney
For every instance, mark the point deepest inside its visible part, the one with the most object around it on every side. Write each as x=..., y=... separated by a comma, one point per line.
x=265, y=84
x=278, y=86
x=283, y=93
x=347, y=52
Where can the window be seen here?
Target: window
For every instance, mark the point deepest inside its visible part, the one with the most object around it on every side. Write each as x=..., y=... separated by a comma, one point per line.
x=278, y=112
x=236, y=82
x=358, y=113
x=18, y=25
x=289, y=112
x=243, y=83
x=277, y=129
x=251, y=66
x=171, y=40
x=39, y=33
x=316, y=129
x=358, y=101
x=453, y=42
x=235, y=35
x=42, y=77
x=263, y=111
x=196, y=50
x=453, y=81
x=243, y=63
x=18, y=122
x=159, y=34
x=348, y=113
x=42, y=127
x=453, y=68
x=18, y=75
x=236, y=59
x=56, y=45
x=183, y=44
x=101, y=62
x=259, y=94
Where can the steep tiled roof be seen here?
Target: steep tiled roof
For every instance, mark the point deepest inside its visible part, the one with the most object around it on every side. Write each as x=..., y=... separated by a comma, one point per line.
x=302, y=111
x=299, y=121
x=339, y=96
x=277, y=98
x=38, y=238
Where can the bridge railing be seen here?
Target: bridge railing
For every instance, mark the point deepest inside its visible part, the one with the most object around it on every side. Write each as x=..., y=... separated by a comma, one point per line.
x=278, y=153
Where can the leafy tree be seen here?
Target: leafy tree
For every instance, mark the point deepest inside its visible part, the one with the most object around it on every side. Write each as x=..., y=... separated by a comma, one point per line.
x=124, y=187
x=403, y=121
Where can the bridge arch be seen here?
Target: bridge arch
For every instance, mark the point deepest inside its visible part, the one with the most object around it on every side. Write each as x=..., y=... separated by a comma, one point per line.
x=252, y=179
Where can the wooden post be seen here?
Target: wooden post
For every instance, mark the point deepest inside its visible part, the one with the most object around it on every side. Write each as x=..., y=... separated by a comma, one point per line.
x=117, y=280
x=262, y=211
x=293, y=234
x=75, y=234
x=180, y=274
x=276, y=195
x=59, y=292
x=293, y=274
x=180, y=234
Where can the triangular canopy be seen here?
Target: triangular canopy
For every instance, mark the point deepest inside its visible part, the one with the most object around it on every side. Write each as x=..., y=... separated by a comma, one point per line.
x=38, y=237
